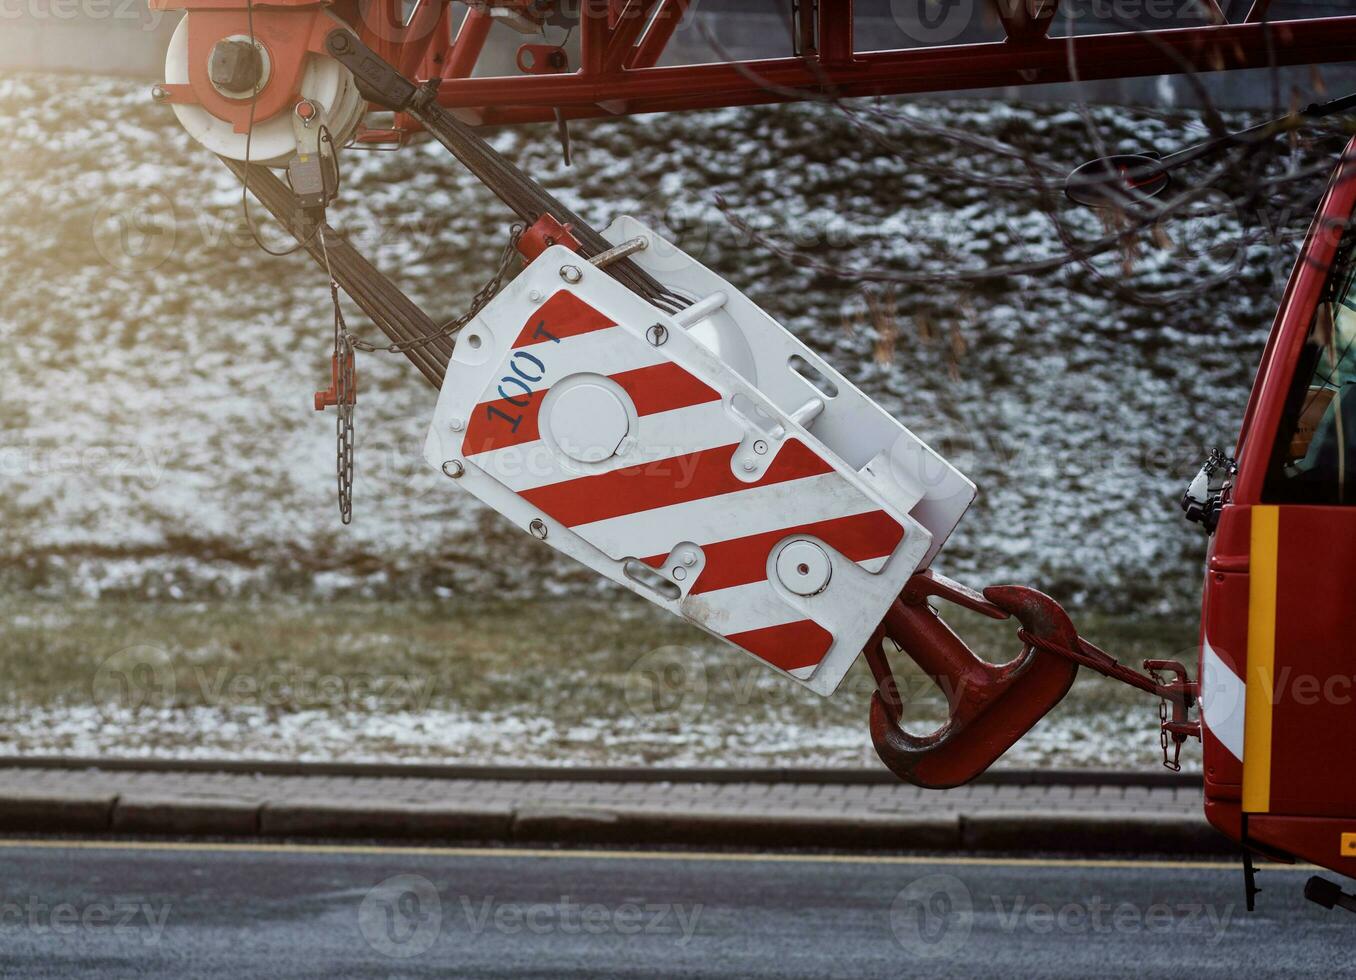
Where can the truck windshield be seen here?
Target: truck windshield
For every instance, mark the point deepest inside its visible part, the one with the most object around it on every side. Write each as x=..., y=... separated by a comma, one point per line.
x=1316, y=449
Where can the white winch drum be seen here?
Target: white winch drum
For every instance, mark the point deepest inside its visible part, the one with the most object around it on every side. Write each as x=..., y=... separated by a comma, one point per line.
x=325, y=82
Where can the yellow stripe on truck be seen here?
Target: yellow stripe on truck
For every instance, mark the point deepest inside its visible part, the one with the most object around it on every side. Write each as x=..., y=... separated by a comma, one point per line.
x=1261, y=660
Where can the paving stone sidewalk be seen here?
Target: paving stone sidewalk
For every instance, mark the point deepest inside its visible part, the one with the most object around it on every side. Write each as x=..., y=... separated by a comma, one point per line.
x=538, y=809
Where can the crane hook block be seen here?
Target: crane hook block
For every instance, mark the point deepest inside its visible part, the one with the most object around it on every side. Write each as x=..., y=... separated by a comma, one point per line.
x=694, y=451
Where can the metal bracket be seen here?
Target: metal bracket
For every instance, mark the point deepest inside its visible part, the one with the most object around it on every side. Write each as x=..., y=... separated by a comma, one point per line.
x=378, y=81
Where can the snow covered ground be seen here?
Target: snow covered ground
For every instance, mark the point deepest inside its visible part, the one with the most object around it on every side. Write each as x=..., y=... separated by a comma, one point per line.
x=158, y=439
x=560, y=681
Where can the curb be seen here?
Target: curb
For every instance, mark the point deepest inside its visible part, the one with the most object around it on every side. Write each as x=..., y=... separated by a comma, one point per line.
x=878, y=776
x=1082, y=833
x=63, y=812
x=1006, y=831
x=403, y=821
x=654, y=826
x=181, y=816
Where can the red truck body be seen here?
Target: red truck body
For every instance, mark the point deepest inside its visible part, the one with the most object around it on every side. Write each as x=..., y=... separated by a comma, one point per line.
x=1278, y=624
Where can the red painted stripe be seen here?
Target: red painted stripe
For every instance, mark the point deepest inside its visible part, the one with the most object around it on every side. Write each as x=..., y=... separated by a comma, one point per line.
x=677, y=480
x=789, y=646
x=664, y=387
x=563, y=315
x=740, y=561
x=658, y=388
x=489, y=430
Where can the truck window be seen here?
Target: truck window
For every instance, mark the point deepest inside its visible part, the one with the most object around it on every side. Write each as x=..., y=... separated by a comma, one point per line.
x=1314, y=461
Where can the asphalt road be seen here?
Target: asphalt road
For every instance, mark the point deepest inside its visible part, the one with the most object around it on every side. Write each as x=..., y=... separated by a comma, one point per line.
x=194, y=910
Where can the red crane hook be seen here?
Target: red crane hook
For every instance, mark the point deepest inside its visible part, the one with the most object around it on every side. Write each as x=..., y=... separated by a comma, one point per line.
x=992, y=706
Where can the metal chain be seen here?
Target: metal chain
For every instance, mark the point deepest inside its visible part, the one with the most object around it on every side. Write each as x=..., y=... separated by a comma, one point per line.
x=1173, y=761
x=346, y=344
x=345, y=390
x=345, y=393
x=481, y=299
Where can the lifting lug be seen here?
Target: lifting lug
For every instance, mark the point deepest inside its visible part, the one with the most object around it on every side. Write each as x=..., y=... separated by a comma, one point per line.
x=545, y=232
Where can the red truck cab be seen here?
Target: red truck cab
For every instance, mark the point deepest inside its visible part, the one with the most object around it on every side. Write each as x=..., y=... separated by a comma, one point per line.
x=1278, y=624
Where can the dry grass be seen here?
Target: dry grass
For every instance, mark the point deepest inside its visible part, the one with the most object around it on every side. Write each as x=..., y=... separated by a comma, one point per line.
x=556, y=663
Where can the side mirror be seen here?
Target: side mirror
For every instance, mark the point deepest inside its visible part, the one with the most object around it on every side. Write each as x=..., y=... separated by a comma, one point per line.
x=1204, y=498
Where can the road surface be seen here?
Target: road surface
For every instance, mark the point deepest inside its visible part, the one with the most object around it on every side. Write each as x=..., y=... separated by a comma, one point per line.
x=104, y=908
